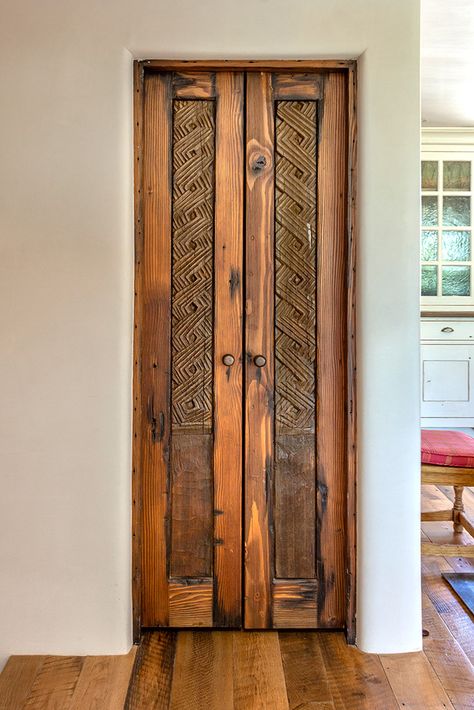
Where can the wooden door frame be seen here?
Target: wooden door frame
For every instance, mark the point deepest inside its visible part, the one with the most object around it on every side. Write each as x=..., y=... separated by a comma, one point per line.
x=349, y=68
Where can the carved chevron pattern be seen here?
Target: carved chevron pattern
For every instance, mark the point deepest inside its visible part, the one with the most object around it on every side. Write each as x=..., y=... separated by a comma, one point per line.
x=295, y=274
x=193, y=218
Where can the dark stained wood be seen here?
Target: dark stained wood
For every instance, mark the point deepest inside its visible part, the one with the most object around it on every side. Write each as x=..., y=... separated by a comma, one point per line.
x=259, y=386
x=55, y=682
x=16, y=680
x=191, y=602
x=294, y=604
x=351, y=402
x=191, y=337
x=332, y=353
x=295, y=513
x=203, y=671
x=137, y=333
x=150, y=685
x=192, y=268
x=248, y=65
x=295, y=337
x=155, y=347
x=297, y=86
x=194, y=85
x=191, y=510
x=228, y=325
x=305, y=674
x=259, y=681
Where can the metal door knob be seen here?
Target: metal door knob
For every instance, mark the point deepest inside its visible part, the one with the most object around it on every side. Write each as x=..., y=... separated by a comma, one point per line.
x=228, y=360
x=260, y=360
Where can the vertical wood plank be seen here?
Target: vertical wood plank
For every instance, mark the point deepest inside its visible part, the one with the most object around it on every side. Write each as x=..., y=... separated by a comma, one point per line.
x=228, y=334
x=150, y=686
x=351, y=531
x=259, y=681
x=192, y=338
x=295, y=337
x=259, y=384
x=202, y=676
x=331, y=353
x=16, y=680
x=155, y=351
x=138, y=85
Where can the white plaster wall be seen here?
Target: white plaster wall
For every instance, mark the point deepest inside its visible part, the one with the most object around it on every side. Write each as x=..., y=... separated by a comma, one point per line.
x=66, y=298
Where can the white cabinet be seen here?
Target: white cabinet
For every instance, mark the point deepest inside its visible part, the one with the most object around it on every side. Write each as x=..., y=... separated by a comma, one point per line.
x=447, y=374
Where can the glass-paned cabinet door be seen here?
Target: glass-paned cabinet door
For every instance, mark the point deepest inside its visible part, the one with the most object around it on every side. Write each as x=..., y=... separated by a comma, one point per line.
x=446, y=230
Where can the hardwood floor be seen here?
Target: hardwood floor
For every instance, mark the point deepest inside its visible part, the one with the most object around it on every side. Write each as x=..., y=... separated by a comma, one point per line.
x=268, y=670
x=66, y=682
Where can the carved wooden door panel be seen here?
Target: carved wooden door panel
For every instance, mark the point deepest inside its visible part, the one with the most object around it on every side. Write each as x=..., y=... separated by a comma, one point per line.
x=243, y=351
x=191, y=319
x=295, y=373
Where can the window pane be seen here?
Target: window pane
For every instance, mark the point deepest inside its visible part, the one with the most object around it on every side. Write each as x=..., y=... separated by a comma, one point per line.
x=456, y=246
x=456, y=211
x=429, y=174
x=429, y=211
x=429, y=280
x=457, y=175
x=456, y=280
x=429, y=246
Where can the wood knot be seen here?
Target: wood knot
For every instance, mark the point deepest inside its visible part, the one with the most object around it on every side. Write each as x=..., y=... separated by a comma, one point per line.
x=259, y=163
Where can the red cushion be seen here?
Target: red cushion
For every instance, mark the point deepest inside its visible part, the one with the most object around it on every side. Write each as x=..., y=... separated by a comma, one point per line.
x=447, y=448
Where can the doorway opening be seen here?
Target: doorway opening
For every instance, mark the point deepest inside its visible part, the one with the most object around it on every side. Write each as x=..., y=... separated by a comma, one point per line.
x=244, y=461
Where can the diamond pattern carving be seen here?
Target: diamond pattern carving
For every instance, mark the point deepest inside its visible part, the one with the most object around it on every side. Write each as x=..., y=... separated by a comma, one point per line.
x=295, y=268
x=193, y=219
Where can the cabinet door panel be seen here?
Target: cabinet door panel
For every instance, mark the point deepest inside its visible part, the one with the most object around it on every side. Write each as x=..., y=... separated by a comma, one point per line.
x=447, y=382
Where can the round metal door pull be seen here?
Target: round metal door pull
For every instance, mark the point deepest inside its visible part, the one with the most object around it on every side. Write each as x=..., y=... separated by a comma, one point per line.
x=260, y=361
x=228, y=360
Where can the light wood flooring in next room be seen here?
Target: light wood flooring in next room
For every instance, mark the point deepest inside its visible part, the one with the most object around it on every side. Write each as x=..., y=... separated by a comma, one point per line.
x=270, y=670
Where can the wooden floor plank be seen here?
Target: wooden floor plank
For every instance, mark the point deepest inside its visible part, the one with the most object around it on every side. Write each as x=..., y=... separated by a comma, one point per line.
x=202, y=676
x=451, y=610
x=447, y=604
x=447, y=658
x=259, y=681
x=103, y=682
x=305, y=674
x=150, y=686
x=414, y=682
x=55, y=683
x=356, y=680
x=17, y=679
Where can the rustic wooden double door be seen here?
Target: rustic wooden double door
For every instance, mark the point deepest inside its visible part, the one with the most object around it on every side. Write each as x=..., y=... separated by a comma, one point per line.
x=243, y=367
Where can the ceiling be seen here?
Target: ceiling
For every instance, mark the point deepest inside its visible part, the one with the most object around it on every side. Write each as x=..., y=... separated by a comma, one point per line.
x=447, y=62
